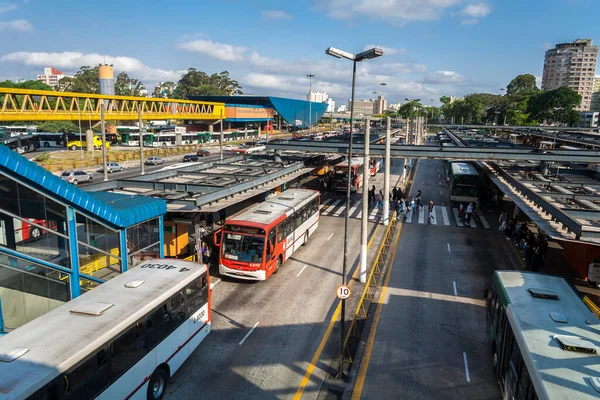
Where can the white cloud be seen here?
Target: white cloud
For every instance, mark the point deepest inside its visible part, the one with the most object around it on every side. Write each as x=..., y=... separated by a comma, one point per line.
x=387, y=51
x=17, y=25
x=396, y=11
x=275, y=14
x=72, y=61
x=7, y=7
x=538, y=81
x=220, y=51
x=441, y=77
x=404, y=68
x=478, y=10
x=469, y=21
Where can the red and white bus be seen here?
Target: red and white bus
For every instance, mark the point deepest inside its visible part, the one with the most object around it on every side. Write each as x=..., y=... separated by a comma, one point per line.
x=255, y=243
x=341, y=173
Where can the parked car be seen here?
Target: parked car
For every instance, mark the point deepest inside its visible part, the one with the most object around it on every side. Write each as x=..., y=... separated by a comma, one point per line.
x=203, y=153
x=112, y=167
x=154, y=161
x=190, y=158
x=76, y=177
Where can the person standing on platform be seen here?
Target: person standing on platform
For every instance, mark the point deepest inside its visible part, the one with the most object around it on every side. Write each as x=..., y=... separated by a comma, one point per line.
x=469, y=213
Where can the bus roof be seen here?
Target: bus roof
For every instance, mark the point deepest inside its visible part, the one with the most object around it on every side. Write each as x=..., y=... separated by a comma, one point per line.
x=271, y=210
x=561, y=374
x=356, y=161
x=463, y=168
x=60, y=338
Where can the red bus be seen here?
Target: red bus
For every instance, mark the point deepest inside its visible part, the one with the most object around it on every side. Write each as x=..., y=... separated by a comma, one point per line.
x=254, y=244
x=341, y=173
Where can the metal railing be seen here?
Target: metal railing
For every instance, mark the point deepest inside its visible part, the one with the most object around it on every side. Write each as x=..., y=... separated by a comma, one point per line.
x=592, y=306
x=368, y=294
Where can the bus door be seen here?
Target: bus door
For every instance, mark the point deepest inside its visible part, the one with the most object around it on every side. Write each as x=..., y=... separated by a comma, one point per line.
x=270, y=248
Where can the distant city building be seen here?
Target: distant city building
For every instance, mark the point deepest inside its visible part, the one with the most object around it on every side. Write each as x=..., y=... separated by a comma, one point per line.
x=51, y=77
x=588, y=119
x=342, y=108
x=596, y=95
x=317, y=97
x=330, y=105
x=364, y=107
x=379, y=105
x=572, y=65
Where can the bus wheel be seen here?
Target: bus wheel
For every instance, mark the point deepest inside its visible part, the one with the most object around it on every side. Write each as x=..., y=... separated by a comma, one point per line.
x=277, y=265
x=158, y=384
x=35, y=232
x=73, y=147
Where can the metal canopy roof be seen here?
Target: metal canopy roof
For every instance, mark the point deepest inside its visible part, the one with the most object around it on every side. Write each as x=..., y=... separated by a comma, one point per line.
x=121, y=212
x=208, y=187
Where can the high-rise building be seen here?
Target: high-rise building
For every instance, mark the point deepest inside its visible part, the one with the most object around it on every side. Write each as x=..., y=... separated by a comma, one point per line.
x=596, y=94
x=342, y=108
x=572, y=65
x=51, y=77
x=317, y=97
x=330, y=105
x=380, y=105
x=364, y=107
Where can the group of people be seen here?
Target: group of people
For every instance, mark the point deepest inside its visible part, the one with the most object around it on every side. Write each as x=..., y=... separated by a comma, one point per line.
x=534, y=247
x=465, y=214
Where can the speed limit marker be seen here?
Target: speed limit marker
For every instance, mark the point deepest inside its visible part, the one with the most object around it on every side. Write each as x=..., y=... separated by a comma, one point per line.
x=343, y=292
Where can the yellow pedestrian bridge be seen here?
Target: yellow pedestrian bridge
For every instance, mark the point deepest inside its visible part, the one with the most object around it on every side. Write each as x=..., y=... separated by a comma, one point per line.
x=42, y=105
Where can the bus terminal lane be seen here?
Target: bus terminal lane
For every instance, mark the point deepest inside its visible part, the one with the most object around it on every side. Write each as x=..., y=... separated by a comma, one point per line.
x=428, y=338
x=265, y=334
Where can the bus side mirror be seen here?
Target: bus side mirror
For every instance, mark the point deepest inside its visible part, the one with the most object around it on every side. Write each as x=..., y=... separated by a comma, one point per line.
x=217, y=238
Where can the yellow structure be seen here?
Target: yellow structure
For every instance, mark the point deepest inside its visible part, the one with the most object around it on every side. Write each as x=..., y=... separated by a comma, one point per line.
x=42, y=105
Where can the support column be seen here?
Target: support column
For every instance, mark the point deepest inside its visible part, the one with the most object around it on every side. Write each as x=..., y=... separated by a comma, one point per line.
x=386, y=174
x=364, y=222
x=178, y=139
x=74, y=250
x=161, y=236
x=123, y=250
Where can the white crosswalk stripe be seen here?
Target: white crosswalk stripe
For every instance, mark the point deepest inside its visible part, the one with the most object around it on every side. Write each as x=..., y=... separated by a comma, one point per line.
x=445, y=216
x=324, y=203
x=331, y=207
x=484, y=222
x=354, y=207
x=409, y=216
x=421, y=216
x=433, y=221
x=473, y=224
x=339, y=211
x=373, y=213
x=455, y=211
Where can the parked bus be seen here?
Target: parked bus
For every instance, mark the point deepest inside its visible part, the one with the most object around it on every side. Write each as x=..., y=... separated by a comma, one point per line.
x=47, y=139
x=341, y=173
x=21, y=144
x=123, y=339
x=255, y=243
x=16, y=130
x=544, y=339
x=464, y=182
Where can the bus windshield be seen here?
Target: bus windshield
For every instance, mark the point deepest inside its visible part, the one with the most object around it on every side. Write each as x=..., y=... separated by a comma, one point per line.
x=465, y=185
x=243, y=247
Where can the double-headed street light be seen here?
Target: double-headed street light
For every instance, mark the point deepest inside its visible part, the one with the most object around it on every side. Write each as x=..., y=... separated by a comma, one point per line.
x=355, y=58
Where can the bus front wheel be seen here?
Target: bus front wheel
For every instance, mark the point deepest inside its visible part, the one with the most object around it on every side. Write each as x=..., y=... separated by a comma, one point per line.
x=158, y=384
x=73, y=147
x=277, y=265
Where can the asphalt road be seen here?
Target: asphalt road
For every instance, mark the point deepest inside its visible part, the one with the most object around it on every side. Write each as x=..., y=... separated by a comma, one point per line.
x=430, y=342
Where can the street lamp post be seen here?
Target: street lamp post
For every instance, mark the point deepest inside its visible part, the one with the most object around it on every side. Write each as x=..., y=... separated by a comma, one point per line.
x=365, y=55
x=496, y=120
x=310, y=76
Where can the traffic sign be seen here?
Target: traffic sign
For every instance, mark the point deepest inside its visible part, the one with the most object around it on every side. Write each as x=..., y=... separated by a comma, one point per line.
x=343, y=292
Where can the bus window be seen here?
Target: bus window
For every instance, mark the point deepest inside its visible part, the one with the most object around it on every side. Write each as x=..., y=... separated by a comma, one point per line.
x=196, y=295
x=177, y=309
x=158, y=326
x=280, y=232
x=271, y=244
x=89, y=378
x=126, y=350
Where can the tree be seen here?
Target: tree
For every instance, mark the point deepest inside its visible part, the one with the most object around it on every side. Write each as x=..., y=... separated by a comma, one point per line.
x=164, y=90
x=524, y=84
x=409, y=109
x=57, y=126
x=555, y=105
x=126, y=86
x=84, y=81
x=198, y=83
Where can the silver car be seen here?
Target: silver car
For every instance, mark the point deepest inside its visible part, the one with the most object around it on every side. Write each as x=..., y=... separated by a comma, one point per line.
x=76, y=177
x=112, y=167
x=154, y=161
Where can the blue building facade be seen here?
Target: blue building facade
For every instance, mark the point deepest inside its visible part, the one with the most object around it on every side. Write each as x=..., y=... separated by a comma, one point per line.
x=57, y=241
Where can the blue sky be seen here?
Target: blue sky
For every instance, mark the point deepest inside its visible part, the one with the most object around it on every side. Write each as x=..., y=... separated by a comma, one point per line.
x=432, y=47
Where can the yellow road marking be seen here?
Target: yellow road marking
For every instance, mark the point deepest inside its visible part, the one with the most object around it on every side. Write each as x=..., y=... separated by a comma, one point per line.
x=334, y=317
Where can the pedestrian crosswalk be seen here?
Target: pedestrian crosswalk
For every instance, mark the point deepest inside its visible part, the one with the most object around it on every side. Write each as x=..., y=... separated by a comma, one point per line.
x=441, y=215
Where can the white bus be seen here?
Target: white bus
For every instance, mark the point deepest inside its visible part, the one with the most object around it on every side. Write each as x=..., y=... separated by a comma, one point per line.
x=122, y=340
x=47, y=139
x=544, y=339
x=256, y=242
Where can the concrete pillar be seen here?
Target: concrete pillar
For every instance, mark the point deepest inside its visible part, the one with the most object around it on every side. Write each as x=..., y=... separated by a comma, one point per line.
x=89, y=140
x=228, y=124
x=211, y=128
x=386, y=174
x=178, y=139
x=364, y=224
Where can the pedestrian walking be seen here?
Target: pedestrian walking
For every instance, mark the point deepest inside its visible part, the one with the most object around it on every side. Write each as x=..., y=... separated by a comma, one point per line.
x=461, y=213
x=431, y=214
x=418, y=199
x=469, y=213
x=380, y=199
x=321, y=185
x=394, y=194
x=372, y=195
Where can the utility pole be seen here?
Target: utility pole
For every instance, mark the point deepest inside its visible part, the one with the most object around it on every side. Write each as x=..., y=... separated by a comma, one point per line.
x=221, y=139
x=102, y=128
x=141, y=130
x=310, y=76
x=386, y=174
x=364, y=221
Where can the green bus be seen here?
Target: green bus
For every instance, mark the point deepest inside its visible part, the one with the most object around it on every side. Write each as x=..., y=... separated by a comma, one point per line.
x=544, y=339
